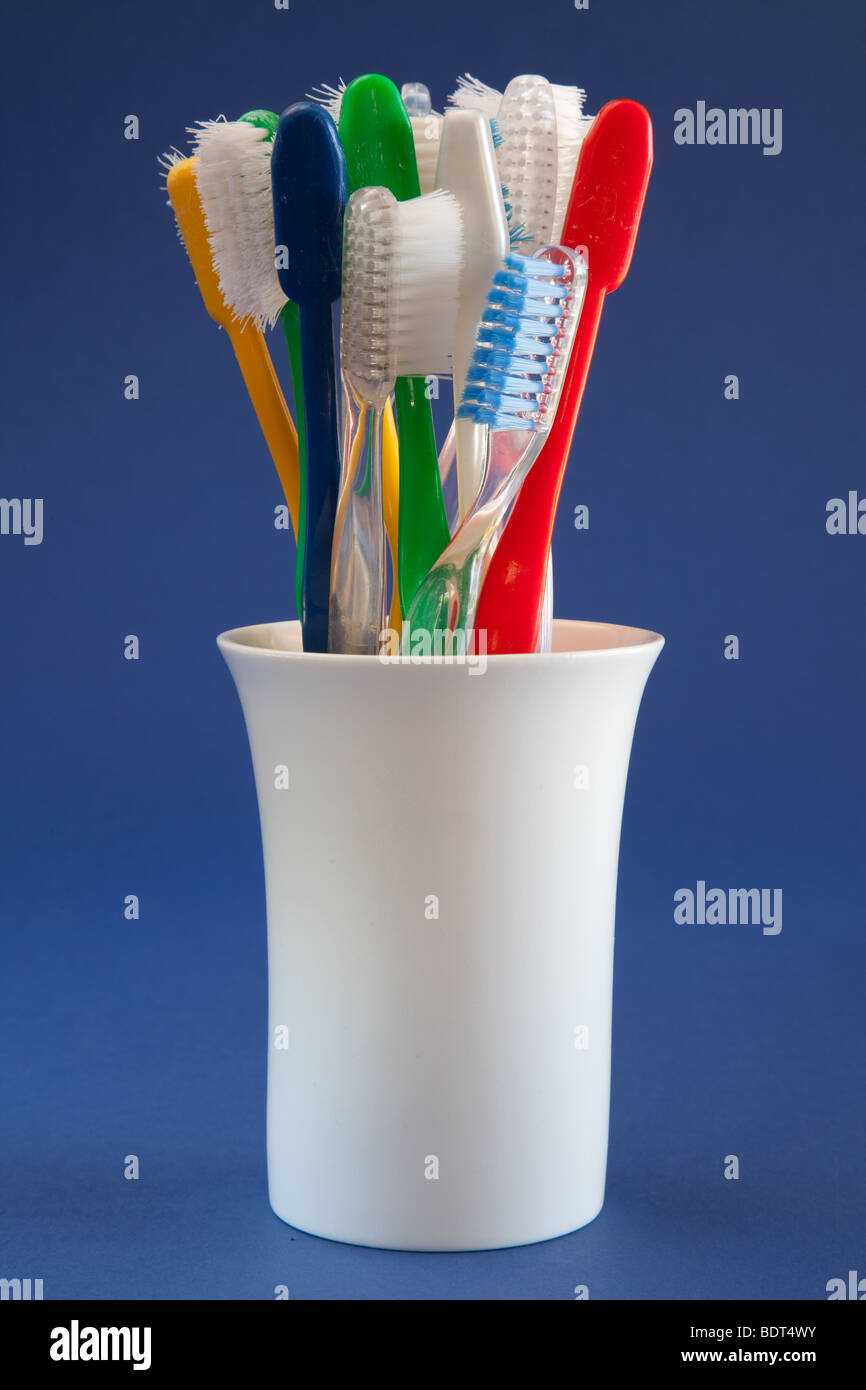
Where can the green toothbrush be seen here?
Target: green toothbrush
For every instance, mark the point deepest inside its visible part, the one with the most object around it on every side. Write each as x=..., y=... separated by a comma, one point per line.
x=376, y=135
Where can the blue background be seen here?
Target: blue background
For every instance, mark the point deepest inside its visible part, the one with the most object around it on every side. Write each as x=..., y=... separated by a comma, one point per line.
x=707, y=517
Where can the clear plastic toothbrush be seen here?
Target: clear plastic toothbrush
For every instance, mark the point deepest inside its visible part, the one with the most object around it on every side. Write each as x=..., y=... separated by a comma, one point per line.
x=512, y=389
x=401, y=272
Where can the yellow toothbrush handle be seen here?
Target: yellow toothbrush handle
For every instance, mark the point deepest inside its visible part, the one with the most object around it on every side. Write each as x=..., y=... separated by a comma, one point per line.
x=271, y=410
x=253, y=357
x=390, y=504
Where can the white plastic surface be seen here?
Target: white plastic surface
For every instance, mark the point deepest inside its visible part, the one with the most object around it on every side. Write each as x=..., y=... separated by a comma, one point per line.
x=441, y=875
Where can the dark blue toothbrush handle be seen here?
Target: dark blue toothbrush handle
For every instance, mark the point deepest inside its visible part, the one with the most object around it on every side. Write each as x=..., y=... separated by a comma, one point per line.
x=323, y=470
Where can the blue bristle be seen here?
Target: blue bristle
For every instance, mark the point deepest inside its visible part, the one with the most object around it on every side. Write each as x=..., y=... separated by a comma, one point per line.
x=518, y=330
x=495, y=132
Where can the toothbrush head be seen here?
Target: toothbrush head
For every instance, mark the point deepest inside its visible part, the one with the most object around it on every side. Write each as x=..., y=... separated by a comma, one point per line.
x=426, y=132
x=308, y=176
x=527, y=158
x=572, y=126
x=263, y=120
x=524, y=341
x=416, y=99
x=186, y=204
x=377, y=136
x=234, y=180
x=401, y=274
x=472, y=95
x=608, y=191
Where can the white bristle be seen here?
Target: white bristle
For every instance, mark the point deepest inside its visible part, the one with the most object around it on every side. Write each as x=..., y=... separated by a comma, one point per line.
x=427, y=275
x=233, y=176
x=329, y=97
x=166, y=163
x=427, y=133
x=401, y=274
x=571, y=128
x=168, y=160
x=476, y=96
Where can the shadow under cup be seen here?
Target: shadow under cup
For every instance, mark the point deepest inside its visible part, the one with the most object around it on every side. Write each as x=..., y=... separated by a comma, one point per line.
x=440, y=847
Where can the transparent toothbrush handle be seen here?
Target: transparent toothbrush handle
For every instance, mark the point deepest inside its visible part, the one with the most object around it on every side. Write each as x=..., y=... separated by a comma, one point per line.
x=448, y=478
x=356, y=615
x=545, y=632
x=448, y=598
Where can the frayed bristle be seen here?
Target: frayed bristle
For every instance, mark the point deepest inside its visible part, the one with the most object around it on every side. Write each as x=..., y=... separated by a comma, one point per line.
x=167, y=162
x=573, y=96
x=401, y=275
x=517, y=365
x=571, y=129
x=518, y=236
x=329, y=97
x=233, y=176
x=473, y=95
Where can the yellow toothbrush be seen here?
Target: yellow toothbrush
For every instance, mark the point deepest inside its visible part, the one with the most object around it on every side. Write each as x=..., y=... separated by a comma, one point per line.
x=391, y=504
x=248, y=342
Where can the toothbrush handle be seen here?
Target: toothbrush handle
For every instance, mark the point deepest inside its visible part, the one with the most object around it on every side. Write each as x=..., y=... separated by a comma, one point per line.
x=512, y=595
x=391, y=507
x=290, y=320
x=423, y=531
x=267, y=398
x=357, y=604
x=448, y=598
x=323, y=471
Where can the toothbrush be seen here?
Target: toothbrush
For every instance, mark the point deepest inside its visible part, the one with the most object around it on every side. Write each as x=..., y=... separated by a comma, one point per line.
x=234, y=181
x=247, y=340
x=426, y=123
x=467, y=168
x=603, y=215
x=524, y=165
x=526, y=154
x=526, y=140
x=426, y=131
x=380, y=151
x=512, y=391
x=572, y=126
x=308, y=175
x=401, y=264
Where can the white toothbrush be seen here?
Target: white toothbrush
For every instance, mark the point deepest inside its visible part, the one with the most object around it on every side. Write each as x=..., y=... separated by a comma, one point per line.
x=467, y=168
x=401, y=273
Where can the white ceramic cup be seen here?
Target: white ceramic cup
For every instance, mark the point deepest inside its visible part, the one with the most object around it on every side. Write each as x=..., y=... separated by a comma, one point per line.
x=440, y=848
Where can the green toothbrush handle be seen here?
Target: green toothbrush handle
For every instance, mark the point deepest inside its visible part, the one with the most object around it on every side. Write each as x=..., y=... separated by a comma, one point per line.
x=290, y=320
x=422, y=528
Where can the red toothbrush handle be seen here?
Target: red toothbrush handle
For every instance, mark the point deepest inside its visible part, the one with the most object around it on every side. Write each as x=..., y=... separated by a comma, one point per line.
x=509, y=607
x=603, y=215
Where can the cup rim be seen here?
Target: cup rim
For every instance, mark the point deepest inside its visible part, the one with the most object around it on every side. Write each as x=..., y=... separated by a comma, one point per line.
x=241, y=639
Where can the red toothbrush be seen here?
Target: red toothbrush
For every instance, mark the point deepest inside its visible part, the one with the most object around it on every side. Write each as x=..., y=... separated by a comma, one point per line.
x=604, y=210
